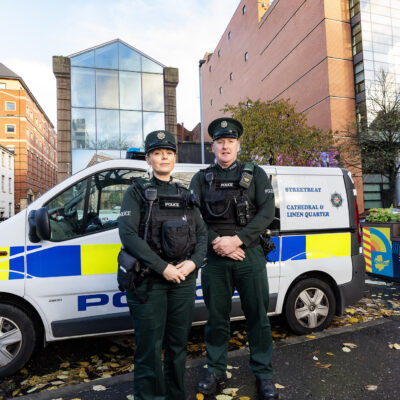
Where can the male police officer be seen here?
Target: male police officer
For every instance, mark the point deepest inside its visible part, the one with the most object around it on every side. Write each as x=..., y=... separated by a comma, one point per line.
x=237, y=203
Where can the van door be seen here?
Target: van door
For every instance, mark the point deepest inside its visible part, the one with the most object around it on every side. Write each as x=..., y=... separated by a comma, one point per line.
x=71, y=277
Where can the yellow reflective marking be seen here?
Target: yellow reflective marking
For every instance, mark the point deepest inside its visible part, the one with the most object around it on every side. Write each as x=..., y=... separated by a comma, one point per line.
x=330, y=245
x=4, y=264
x=99, y=258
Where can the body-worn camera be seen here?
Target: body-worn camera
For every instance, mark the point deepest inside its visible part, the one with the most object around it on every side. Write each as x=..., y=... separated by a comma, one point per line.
x=242, y=211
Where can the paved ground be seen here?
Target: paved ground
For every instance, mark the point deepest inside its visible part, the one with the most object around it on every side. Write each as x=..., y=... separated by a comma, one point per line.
x=306, y=367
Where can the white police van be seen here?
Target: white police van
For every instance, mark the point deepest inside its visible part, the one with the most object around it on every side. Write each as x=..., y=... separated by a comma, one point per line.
x=58, y=256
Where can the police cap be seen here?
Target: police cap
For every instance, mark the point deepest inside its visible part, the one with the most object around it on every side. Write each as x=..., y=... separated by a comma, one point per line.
x=225, y=127
x=159, y=140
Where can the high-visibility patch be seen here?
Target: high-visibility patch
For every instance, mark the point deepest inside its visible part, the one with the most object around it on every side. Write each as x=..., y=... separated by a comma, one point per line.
x=330, y=245
x=99, y=258
x=4, y=263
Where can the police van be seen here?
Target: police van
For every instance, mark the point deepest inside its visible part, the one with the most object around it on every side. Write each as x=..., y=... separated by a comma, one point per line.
x=58, y=257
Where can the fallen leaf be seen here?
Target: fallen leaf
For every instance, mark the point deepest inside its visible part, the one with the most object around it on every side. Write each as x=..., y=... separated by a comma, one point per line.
x=99, y=388
x=244, y=398
x=353, y=320
x=199, y=396
x=231, y=391
x=130, y=397
x=65, y=364
x=329, y=353
x=278, y=386
x=84, y=363
x=350, y=311
x=310, y=336
x=346, y=349
x=24, y=371
x=315, y=358
x=56, y=383
x=114, y=349
x=228, y=375
x=351, y=345
x=371, y=387
x=325, y=366
x=223, y=397
x=394, y=346
x=15, y=392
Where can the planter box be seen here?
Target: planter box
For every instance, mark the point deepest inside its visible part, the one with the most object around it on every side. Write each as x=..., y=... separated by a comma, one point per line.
x=381, y=245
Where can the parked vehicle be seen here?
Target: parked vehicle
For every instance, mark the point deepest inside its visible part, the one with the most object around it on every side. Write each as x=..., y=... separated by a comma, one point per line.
x=58, y=257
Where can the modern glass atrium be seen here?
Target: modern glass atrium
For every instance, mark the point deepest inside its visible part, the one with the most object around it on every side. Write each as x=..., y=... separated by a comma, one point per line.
x=117, y=97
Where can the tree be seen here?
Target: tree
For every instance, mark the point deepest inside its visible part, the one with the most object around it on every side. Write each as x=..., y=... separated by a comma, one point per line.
x=378, y=132
x=275, y=133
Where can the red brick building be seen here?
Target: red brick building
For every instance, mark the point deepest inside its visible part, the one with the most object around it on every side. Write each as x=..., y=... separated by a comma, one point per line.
x=293, y=49
x=26, y=130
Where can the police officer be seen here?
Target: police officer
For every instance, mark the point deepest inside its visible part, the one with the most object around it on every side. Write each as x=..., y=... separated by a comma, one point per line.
x=237, y=203
x=161, y=307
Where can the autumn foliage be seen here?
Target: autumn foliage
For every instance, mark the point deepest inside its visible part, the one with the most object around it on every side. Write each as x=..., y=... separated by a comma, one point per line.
x=274, y=133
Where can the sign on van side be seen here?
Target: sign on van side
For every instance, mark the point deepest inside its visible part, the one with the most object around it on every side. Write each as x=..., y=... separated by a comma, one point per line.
x=313, y=202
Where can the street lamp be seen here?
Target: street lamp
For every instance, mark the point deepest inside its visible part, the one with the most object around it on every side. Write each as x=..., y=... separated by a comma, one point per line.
x=201, y=62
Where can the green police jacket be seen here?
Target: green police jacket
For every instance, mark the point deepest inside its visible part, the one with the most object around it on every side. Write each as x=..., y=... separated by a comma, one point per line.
x=129, y=222
x=260, y=193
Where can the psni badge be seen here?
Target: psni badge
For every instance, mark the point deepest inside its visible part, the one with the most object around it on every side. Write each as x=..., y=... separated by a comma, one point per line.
x=160, y=135
x=336, y=200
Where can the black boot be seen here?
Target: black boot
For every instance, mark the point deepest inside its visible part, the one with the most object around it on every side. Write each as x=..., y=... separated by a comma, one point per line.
x=266, y=389
x=209, y=383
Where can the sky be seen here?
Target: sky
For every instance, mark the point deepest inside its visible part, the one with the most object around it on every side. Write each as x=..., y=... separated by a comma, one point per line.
x=177, y=33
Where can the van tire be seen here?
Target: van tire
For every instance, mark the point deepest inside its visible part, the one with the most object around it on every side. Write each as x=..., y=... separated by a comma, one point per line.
x=310, y=306
x=21, y=331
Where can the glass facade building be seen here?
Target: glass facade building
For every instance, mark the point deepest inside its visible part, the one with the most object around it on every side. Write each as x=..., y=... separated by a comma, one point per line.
x=376, y=47
x=117, y=97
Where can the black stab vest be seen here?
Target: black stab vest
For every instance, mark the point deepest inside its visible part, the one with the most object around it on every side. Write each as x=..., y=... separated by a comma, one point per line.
x=221, y=200
x=172, y=224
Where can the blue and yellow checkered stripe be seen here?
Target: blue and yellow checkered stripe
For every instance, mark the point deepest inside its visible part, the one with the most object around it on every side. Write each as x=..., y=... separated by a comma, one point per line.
x=60, y=261
x=92, y=259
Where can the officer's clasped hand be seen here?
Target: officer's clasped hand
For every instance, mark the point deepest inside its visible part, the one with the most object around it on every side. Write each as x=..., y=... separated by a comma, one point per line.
x=172, y=274
x=229, y=246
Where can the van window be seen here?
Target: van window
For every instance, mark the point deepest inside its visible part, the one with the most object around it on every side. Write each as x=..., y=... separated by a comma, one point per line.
x=90, y=205
x=276, y=223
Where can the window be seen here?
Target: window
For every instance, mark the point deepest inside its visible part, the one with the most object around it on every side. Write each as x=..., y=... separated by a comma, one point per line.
x=354, y=7
x=246, y=56
x=9, y=185
x=231, y=76
x=220, y=90
x=9, y=209
x=229, y=35
x=211, y=101
x=219, y=53
x=359, y=79
x=9, y=162
x=10, y=128
x=209, y=68
x=356, y=39
x=10, y=106
x=74, y=212
x=244, y=10
x=2, y=85
x=3, y=183
x=3, y=159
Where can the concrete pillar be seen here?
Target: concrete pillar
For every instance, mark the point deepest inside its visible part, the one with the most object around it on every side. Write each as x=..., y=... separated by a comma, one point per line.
x=62, y=72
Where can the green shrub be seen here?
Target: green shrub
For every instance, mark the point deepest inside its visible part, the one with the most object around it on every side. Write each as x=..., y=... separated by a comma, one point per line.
x=382, y=215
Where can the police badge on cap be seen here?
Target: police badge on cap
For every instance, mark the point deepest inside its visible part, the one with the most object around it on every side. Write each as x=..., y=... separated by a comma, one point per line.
x=225, y=127
x=159, y=140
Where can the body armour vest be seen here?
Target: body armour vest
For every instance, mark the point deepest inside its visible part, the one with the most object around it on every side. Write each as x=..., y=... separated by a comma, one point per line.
x=171, y=224
x=227, y=205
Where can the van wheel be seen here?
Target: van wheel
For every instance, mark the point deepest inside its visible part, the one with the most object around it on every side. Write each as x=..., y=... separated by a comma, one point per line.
x=17, y=339
x=310, y=306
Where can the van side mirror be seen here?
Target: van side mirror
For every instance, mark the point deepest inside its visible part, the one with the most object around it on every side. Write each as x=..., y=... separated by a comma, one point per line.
x=42, y=222
x=33, y=237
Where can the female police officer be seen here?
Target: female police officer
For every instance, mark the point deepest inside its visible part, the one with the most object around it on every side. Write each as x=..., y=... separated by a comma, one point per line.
x=161, y=307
